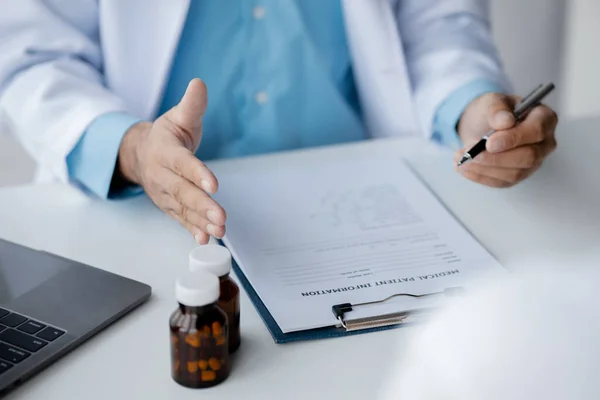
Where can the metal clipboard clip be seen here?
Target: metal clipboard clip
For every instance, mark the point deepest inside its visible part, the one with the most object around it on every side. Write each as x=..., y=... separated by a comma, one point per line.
x=340, y=311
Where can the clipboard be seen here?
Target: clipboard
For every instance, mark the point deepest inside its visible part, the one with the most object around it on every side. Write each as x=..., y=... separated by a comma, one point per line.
x=347, y=326
x=421, y=205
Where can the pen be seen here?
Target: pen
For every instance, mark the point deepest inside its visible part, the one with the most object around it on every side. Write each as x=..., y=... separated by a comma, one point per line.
x=521, y=110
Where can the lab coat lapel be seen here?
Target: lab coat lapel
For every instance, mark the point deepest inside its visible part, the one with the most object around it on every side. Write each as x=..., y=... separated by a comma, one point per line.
x=139, y=40
x=380, y=68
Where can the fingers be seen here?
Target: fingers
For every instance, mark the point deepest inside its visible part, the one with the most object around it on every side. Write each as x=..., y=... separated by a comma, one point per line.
x=184, y=120
x=510, y=176
x=172, y=176
x=196, y=223
x=516, y=150
x=190, y=110
x=184, y=164
x=200, y=237
x=504, y=169
x=521, y=157
x=193, y=207
x=491, y=110
x=500, y=112
x=537, y=127
x=191, y=198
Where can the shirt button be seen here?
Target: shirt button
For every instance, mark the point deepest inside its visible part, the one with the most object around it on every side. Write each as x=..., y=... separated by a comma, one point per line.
x=261, y=97
x=259, y=12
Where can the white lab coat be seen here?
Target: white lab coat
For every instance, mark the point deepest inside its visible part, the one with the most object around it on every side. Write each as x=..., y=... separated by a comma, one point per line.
x=65, y=62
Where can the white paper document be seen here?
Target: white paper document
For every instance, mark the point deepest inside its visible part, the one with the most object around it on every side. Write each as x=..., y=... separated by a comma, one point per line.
x=309, y=237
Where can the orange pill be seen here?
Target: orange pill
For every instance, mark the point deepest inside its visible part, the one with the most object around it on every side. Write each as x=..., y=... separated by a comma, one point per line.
x=220, y=341
x=208, y=375
x=206, y=331
x=216, y=329
x=215, y=364
x=192, y=340
x=192, y=367
x=203, y=364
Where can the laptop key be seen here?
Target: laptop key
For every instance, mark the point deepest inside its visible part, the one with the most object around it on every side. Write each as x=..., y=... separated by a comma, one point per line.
x=50, y=334
x=13, y=320
x=22, y=340
x=4, y=366
x=3, y=312
x=31, y=327
x=12, y=354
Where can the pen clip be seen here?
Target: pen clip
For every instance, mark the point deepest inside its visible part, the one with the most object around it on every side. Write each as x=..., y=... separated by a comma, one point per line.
x=532, y=100
x=524, y=113
x=524, y=99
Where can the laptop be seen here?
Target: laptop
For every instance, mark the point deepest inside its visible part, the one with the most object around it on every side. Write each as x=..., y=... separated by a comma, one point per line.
x=49, y=305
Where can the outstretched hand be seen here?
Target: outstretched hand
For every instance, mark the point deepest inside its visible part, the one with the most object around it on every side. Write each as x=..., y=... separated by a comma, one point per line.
x=160, y=157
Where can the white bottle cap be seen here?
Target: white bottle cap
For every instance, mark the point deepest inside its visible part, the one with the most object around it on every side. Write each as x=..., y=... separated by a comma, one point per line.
x=196, y=289
x=211, y=257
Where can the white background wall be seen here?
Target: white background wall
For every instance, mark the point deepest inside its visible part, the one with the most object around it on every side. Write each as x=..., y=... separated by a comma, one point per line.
x=557, y=40
x=582, y=59
x=539, y=40
x=530, y=37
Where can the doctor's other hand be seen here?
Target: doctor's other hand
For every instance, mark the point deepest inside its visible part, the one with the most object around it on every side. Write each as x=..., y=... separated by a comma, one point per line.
x=160, y=157
x=515, y=151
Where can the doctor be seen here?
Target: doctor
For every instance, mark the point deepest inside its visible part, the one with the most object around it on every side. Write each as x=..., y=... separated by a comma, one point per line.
x=102, y=93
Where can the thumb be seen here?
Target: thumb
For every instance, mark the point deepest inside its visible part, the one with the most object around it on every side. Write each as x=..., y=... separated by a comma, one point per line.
x=500, y=115
x=190, y=110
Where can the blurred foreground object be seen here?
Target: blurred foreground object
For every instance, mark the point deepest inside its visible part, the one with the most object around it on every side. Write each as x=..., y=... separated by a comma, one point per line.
x=528, y=337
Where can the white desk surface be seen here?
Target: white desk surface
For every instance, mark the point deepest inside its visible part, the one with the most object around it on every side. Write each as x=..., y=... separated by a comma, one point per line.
x=553, y=216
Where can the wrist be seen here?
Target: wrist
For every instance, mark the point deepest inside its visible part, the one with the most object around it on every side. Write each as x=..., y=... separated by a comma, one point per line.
x=128, y=159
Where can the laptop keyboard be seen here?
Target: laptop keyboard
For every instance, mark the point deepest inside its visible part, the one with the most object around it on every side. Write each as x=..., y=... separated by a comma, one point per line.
x=21, y=336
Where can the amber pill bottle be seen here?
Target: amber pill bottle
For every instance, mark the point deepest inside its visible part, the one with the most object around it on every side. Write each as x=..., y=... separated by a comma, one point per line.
x=199, y=333
x=217, y=260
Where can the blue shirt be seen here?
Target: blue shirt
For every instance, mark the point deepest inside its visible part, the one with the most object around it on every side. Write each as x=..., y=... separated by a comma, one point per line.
x=279, y=77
